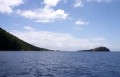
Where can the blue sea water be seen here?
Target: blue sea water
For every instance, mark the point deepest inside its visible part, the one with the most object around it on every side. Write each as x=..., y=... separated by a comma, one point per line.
x=59, y=64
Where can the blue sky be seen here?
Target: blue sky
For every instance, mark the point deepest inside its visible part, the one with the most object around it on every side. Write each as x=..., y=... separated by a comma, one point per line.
x=63, y=24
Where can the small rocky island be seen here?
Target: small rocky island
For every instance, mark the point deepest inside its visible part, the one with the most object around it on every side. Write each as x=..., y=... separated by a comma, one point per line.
x=99, y=49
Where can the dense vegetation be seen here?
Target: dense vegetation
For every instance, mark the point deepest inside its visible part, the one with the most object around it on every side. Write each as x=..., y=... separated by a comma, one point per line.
x=9, y=42
x=99, y=49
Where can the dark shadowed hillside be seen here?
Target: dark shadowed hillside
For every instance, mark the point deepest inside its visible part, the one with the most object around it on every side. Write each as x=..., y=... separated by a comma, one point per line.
x=9, y=42
x=99, y=49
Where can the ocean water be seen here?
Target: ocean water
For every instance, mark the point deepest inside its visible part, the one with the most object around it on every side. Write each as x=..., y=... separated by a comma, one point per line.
x=59, y=64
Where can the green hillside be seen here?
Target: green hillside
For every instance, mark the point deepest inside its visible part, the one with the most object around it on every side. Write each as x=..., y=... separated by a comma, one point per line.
x=99, y=49
x=9, y=42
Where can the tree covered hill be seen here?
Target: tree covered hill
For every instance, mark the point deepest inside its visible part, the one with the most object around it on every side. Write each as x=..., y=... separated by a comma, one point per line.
x=99, y=49
x=9, y=42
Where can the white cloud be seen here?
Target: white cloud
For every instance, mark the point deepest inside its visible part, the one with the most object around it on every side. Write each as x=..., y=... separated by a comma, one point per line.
x=99, y=0
x=6, y=6
x=58, y=41
x=81, y=22
x=28, y=28
x=50, y=3
x=78, y=3
x=46, y=14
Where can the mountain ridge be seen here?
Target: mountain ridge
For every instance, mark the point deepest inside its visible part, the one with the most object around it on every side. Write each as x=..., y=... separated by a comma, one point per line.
x=9, y=42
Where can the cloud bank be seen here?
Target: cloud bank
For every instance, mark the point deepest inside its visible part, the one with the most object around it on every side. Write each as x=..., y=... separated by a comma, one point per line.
x=57, y=41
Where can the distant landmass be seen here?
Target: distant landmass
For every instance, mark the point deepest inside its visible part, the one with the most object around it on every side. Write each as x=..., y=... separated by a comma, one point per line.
x=99, y=49
x=9, y=42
